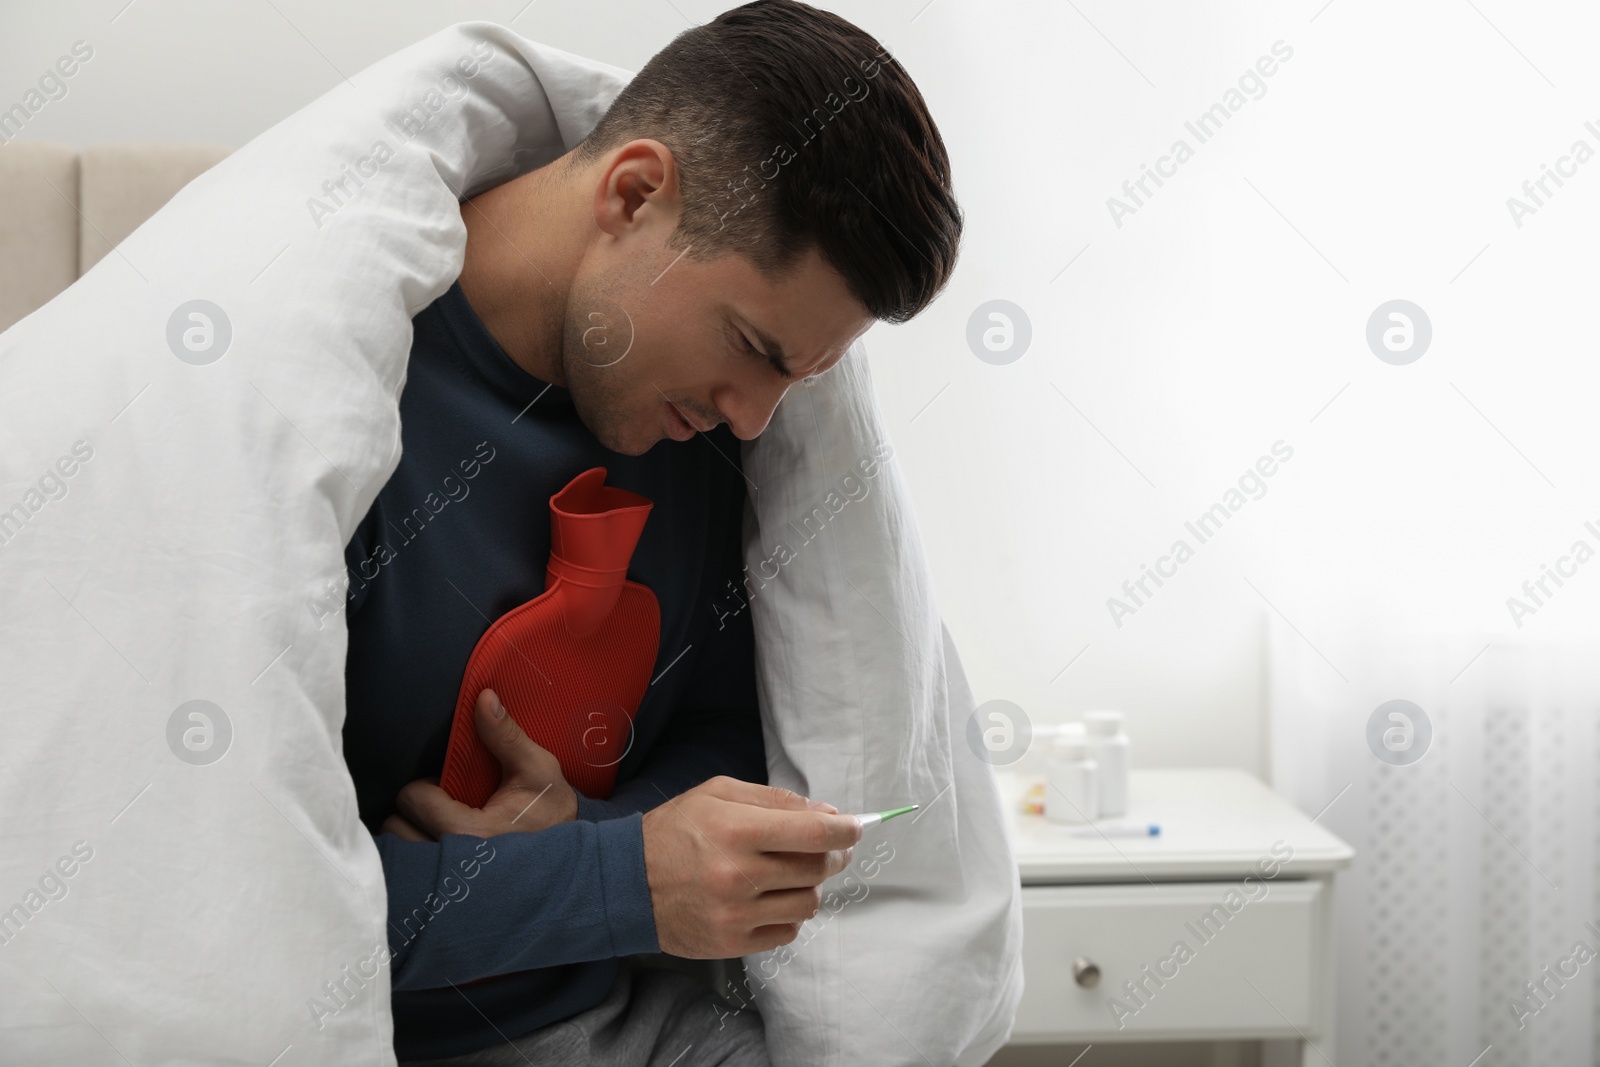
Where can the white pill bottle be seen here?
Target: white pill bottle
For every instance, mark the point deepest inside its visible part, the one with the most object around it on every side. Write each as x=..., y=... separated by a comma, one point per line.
x=1109, y=745
x=1072, y=783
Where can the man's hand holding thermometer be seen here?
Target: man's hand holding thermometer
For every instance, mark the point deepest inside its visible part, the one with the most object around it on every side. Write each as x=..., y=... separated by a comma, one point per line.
x=734, y=868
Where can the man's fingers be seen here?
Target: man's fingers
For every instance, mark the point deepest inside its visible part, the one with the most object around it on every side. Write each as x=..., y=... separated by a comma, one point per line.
x=785, y=906
x=767, y=938
x=803, y=831
x=784, y=821
x=519, y=755
x=433, y=811
x=761, y=796
x=798, y=870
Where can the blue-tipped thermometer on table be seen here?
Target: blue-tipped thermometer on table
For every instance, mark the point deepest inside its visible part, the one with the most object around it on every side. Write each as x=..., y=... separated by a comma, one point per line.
x=1130, y=829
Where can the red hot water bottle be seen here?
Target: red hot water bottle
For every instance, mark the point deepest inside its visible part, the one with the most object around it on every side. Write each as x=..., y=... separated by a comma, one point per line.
x=572, y=664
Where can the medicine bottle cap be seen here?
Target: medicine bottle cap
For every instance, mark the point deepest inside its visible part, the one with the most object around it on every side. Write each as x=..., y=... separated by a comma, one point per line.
x=1103, y=722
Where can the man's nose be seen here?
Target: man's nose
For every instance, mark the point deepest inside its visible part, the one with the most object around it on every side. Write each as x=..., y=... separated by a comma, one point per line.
x=748, y=411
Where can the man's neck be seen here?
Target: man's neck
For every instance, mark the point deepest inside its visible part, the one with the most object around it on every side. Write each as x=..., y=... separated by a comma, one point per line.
x=525, y=238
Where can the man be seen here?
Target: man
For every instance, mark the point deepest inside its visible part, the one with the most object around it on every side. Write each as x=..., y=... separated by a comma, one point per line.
x=767, y=187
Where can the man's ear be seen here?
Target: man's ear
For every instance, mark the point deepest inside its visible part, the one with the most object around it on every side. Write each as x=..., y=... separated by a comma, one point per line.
x=641, y=175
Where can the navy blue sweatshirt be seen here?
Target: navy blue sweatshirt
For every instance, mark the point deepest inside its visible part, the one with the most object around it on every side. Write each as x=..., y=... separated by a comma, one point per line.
x=505, y=934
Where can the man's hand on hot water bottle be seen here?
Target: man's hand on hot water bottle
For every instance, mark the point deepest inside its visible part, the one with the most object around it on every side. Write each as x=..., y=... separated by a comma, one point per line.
x=532, y=795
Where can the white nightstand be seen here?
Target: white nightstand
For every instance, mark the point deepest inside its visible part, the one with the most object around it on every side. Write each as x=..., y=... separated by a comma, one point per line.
x=1238, y=877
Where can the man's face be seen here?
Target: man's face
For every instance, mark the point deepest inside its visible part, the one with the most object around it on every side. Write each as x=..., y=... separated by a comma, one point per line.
x=651, y=336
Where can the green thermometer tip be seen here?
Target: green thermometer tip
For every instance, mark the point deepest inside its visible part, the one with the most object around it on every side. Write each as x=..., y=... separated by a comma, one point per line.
x=876, y=817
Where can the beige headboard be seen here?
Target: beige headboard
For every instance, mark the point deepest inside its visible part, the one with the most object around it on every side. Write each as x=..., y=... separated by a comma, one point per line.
x=66, y=208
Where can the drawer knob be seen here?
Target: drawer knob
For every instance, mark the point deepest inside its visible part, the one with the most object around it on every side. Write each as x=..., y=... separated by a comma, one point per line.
x=1086, y=972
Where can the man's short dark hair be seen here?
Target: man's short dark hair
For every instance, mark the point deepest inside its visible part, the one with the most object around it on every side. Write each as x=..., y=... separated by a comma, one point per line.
x=792, y=127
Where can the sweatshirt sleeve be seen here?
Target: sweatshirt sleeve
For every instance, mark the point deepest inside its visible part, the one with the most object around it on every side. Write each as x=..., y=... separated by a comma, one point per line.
x=465, y=908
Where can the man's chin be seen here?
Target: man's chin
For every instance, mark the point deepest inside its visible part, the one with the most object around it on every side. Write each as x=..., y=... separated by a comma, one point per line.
x=625, y=446
x=614, y=438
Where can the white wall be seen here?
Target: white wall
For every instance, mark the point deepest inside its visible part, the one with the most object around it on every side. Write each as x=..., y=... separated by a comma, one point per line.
x=1226, y=314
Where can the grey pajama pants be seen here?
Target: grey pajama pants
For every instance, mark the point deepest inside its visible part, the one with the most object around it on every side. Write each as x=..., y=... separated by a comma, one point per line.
x=652, y=1017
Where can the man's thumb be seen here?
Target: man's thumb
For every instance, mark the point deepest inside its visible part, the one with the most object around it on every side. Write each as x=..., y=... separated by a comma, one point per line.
x=498, y=730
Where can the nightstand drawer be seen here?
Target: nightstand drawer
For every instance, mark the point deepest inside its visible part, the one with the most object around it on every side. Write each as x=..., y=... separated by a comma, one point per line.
x=1203, y=959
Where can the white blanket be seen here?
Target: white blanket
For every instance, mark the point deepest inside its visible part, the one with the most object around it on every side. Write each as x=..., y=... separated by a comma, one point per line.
x=915, y=957
x=188, y=437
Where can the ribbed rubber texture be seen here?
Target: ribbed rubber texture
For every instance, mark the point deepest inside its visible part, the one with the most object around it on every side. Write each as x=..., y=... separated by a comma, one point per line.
x=576, y=696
